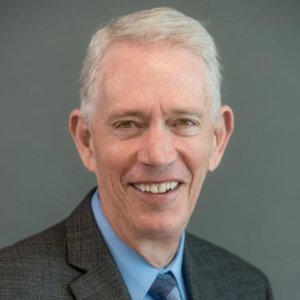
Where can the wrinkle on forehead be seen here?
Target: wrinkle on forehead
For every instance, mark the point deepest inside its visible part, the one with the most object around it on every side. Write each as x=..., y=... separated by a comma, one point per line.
x=123, y=76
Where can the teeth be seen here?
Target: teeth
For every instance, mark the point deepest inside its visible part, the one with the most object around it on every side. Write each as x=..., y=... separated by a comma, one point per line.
x=154, y=189
x=163, y=188
x=157, y=188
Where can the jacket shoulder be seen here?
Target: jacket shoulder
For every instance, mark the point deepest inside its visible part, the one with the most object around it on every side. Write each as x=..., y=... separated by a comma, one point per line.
x=50, y=242
x=214, y=254
x=35, y=265
x=229, y=275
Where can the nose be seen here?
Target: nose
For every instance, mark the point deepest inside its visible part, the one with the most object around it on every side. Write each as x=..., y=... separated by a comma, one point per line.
x=157, y=147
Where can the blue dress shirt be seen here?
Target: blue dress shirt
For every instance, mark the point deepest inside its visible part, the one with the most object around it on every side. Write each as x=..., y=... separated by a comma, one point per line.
x=137, y=273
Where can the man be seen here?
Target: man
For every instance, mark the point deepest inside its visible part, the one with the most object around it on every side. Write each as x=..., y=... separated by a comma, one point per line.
x=150, y=127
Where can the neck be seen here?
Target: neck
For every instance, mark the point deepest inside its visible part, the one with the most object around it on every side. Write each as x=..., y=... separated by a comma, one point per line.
x=158, y=248
x=157, y=252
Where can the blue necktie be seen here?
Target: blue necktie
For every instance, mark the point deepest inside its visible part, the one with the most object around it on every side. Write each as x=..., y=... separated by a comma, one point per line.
x=164, y=287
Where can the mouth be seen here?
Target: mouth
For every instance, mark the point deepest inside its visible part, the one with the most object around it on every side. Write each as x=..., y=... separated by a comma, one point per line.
x=156, y=188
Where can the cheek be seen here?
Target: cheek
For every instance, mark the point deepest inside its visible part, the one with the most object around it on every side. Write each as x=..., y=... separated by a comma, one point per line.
x=112, y=160
x=197, y=156
x=197, y=160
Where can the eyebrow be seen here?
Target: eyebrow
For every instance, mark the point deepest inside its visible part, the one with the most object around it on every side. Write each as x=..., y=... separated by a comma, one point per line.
x=185, y=111
x=128, y=113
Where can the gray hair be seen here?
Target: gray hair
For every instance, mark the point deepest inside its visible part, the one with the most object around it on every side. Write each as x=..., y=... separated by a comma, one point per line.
x=150, y=26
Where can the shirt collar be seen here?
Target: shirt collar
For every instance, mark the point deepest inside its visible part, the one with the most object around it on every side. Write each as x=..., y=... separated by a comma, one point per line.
x=137, y=273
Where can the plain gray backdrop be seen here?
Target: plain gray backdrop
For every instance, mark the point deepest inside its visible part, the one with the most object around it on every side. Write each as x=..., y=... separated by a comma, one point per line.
x=250, y=205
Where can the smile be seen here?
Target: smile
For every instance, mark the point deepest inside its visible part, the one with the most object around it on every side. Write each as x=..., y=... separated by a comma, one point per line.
x=156, y=188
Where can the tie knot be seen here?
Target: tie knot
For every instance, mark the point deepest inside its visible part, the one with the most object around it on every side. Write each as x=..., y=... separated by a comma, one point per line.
x=165, y=287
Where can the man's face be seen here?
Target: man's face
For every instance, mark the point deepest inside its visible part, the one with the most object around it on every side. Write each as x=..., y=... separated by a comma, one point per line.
x=152, y=139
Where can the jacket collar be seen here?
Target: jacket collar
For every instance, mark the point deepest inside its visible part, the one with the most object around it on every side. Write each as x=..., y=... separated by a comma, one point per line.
x=88, y=253
x=196, y=267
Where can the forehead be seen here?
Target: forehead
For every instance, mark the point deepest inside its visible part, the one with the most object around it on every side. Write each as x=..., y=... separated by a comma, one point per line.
x=147, y=72
x=126, y=56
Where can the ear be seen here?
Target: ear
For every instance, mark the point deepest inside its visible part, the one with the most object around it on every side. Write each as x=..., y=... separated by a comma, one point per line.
x=222, y=133
x=81, y=135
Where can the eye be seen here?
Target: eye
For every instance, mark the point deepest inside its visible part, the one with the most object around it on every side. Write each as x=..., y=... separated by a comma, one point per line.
x=128, y=128
x=126, y=124
x=185, y=127
x=185, y=123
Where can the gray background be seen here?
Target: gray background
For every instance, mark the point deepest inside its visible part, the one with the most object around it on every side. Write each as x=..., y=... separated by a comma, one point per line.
x=250, y=205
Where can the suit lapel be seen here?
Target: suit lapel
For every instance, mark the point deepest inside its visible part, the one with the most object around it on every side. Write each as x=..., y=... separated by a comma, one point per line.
x=88, y=252
x=99, y=284
x=195, y=264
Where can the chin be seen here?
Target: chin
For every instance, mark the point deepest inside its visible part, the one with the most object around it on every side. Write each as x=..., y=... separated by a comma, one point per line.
x=162, y=226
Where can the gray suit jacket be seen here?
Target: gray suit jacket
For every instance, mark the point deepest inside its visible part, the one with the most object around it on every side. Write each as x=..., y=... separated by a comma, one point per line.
x=71, y=261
